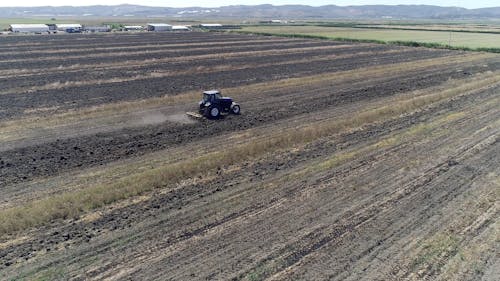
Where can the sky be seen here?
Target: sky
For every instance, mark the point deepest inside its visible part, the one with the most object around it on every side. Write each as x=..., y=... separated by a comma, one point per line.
x=207, y=3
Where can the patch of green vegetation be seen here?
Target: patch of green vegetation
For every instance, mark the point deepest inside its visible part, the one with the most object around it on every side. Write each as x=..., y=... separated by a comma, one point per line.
x=442, y=46
x=438, y=247
x=309, y=36
x=114, y=25
x=470, y=41
x=49, y=274
x=419, y=29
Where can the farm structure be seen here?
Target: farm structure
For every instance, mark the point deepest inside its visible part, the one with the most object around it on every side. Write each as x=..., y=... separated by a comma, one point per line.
x=159, y=27
x=133, y=28
x=69, y=27
x=349, y=161
x=218, y=26
x=211, y=25
x=180, y=28
x=29, y=28
x=96, y=29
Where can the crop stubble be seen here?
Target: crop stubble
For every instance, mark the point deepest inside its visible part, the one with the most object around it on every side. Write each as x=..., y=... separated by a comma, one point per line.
x=375, y=197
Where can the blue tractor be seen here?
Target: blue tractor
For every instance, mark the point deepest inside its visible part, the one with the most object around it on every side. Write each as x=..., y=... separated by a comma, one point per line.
x=214, y=104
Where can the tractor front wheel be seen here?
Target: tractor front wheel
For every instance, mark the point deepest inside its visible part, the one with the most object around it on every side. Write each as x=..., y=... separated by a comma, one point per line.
x=235, y=109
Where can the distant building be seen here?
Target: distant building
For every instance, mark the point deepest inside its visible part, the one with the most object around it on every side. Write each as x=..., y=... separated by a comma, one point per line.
x=133, y=28
x=29, y=28
x=69, y=27
x=211, y=25
x=274, y=22
x=216, y=26
x=97, y=28
x=180, y=28
x=159, y=27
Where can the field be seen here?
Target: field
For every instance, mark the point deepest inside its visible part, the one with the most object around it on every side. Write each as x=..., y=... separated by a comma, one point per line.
x=456, y=39
x=350, y=161
x=477, y=28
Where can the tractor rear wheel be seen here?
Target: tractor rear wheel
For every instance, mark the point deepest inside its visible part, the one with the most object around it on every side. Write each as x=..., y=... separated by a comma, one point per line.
x=212, y=112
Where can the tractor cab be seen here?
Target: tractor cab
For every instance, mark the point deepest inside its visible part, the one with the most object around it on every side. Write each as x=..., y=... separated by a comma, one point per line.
x=211, y=96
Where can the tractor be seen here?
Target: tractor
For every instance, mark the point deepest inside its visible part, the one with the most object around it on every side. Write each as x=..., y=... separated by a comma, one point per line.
x=213, y=105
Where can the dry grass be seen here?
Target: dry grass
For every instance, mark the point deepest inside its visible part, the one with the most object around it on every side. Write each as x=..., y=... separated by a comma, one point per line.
x=163, y=51
x=124, y=65
x=77, y=48
x=153, y=61
x=198, y=70
x=266, y=88
x=73, y=204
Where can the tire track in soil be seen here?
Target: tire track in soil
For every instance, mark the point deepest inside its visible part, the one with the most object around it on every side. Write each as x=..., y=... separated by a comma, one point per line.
x=319, y=240
x=148, y=221
x=130, y=68
x=64, y=80
x=257, y=45
x=316, y=241
x=23, y=164
x=89, y=49
x=92, y=95
x=117, y=40
x=123, y=218
x=437, y=187
x=55, y=61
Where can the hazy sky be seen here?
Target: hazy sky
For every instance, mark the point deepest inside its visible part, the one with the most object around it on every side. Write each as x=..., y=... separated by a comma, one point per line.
x=207, y=3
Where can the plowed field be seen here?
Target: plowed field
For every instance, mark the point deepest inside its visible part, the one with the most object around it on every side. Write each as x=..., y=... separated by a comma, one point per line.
x=349, y=161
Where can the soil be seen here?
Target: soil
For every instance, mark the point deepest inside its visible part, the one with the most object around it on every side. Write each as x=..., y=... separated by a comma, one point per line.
x=417, y=181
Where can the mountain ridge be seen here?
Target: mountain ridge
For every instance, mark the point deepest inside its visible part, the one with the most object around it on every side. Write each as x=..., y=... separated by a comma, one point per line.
x=265, y=11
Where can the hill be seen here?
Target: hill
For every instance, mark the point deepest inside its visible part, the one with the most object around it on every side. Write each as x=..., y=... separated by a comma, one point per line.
x=260, y=12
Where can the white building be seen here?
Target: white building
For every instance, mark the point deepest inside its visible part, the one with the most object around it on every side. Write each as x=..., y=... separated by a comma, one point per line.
x=29, y=28
x=97, y=29
x=180, y=28
x=159, y=27
x=211, y=25
x=133, y=27
x=69, y=26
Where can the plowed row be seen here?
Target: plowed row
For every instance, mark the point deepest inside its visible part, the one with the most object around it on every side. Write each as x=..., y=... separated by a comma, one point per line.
x=348, y=162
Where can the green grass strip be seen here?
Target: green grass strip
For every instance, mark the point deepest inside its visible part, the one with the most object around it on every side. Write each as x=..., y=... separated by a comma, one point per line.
x=398, y=43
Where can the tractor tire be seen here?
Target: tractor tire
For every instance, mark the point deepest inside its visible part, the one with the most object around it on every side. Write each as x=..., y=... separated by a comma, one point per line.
x=235, y=109
x=212, y=112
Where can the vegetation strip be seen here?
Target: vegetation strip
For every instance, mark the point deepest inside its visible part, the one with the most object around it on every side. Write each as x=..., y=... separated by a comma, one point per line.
x=73, y=204
x=363, y=26
x=353, y=40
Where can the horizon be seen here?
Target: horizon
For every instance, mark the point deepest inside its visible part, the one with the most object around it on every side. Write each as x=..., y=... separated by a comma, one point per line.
x=224, y=3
